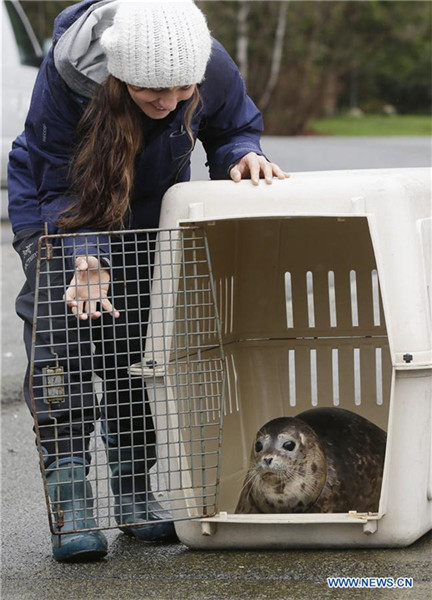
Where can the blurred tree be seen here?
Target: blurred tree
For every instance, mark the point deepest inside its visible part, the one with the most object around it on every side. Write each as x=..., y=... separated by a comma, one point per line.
x=276, y=57
x=243, y=12
x=42, y=13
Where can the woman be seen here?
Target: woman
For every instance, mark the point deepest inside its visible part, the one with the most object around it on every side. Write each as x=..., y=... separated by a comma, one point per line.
x=118, y=104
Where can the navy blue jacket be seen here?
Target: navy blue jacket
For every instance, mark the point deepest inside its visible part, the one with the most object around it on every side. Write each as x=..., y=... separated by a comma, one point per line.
x=229, y=126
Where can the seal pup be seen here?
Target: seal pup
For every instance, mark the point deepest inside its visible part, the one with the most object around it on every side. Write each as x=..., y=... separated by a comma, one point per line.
x=320, y=461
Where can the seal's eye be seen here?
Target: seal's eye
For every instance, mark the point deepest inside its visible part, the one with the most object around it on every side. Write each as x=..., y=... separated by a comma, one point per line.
x=290, y=445
x=258, y=447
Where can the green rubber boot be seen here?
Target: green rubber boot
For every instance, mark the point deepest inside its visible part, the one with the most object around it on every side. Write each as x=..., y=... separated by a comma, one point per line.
x=134, y=500
x=72, y=504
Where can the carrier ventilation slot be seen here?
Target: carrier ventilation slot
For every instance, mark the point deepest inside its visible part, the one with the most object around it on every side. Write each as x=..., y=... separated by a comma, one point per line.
x=232, y=397
x=357, y=382
x=376, y=298
x=378, y=376
x=313, y=377
x=354, y=303
x=310, y=298
x=288, y=300
x=291, y=377
x=332, y=299
x=335, y=376
x=225, y=295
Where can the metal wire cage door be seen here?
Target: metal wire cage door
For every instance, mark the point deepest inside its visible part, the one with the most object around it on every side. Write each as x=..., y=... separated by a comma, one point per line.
x=128, y=408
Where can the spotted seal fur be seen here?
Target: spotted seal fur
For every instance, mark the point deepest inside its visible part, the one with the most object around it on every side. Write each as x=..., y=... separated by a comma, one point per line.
x=321, y=461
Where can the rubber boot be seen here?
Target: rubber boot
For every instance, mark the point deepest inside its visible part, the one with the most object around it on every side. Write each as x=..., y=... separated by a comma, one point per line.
x=72, y=504
x=134, y=500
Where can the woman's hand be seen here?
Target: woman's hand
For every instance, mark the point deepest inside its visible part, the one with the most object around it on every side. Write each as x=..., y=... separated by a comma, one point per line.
x=255, y=167
x=88, y=288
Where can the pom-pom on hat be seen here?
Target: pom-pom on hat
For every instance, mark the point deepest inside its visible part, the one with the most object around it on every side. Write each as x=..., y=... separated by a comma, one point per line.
x=157, y=44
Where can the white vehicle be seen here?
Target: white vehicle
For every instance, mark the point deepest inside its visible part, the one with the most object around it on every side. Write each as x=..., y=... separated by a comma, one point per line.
x=21, y=57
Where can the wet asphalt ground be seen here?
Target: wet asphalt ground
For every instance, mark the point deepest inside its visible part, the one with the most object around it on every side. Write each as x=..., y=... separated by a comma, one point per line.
x=133, y=569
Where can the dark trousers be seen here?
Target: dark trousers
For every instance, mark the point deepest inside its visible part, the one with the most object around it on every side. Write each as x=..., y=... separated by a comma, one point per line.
x=82, y=349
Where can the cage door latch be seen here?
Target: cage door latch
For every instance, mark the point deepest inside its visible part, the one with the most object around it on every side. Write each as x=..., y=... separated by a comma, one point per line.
x=53, y=383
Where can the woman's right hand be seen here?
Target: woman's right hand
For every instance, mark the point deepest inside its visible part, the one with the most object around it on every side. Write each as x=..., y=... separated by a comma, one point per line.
x=88, y=288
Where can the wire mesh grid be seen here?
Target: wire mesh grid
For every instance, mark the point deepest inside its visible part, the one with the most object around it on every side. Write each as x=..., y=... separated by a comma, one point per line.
x=127, y=407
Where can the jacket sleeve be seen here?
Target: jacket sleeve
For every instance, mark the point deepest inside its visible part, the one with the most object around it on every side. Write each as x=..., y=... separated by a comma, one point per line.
x=231, y=124
x=50, y=131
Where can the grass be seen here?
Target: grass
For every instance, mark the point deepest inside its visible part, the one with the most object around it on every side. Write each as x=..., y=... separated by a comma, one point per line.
x=374, y=125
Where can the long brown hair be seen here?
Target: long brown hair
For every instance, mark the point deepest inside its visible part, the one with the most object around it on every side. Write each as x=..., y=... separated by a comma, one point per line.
x=109, y=138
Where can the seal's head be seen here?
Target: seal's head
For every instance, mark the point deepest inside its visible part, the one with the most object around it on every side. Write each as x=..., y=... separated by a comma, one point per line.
x=288, y=467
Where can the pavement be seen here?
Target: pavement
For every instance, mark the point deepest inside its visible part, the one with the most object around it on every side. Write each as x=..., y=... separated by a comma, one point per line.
x=136, y=570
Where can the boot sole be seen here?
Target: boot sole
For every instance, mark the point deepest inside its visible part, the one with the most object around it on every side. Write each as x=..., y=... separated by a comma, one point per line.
x=85, y=556
x=132, y=531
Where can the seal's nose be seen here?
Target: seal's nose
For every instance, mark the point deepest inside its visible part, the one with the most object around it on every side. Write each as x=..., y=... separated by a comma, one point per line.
x=268, y=461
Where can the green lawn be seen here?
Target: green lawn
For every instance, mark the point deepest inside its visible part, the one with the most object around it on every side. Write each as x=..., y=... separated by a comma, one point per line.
x=371, y=125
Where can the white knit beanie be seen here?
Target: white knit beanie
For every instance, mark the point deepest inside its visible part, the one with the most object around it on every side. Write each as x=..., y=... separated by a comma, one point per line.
x=157, y=44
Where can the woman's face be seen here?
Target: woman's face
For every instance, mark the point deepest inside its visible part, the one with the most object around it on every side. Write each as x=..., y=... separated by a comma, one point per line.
x=158, y=103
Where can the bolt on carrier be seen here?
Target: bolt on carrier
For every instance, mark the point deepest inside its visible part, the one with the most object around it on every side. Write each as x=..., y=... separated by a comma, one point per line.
x=134, y=403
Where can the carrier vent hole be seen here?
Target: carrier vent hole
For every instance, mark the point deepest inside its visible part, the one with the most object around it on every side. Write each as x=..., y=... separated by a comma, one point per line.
x=310, y=298
x=335, y=376
x=232, y=402
x=354, y=304
x=288, y=300
x=291, y=378
x=379, y=376
x=313, y=377
x=332, y=299
x=225, y=296
x=357, y=382
x=376, y=298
